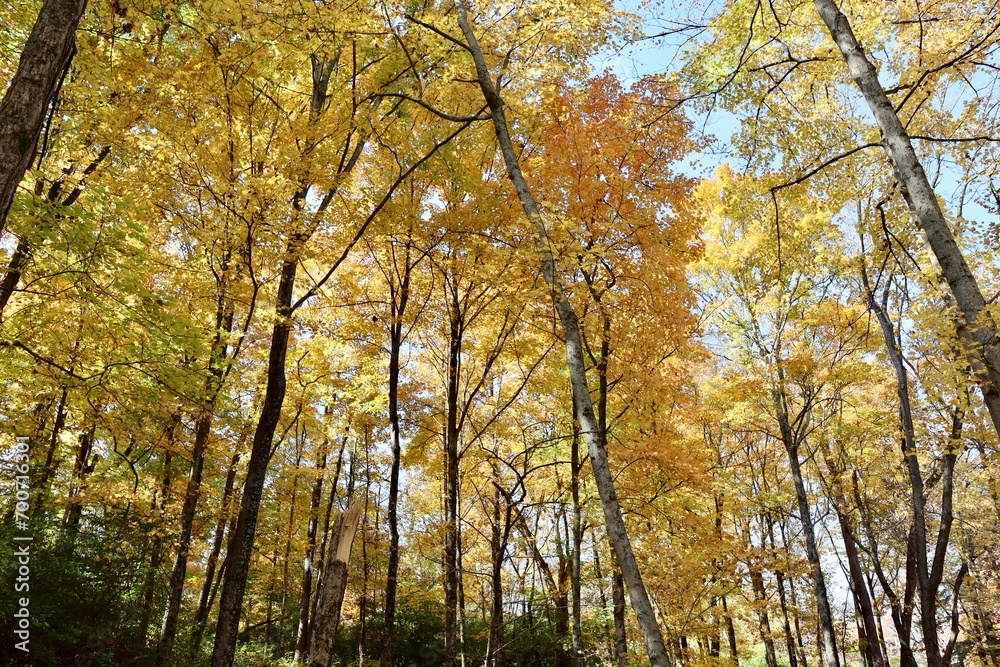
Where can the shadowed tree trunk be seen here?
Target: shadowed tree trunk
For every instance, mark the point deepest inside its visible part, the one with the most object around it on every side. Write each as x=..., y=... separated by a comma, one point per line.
x=156, y=557
x=399, y=294
x=204, y=600
x=763, y=618
x=779, y=579
x=44, y=60
x=618, y=611
x=575, y=549
x=81, y=470
x=928, y=569
x=455, y=333
x=305, y=596
x=859, y=589
x=734, y=653
x=234, y=583
x=203, y=429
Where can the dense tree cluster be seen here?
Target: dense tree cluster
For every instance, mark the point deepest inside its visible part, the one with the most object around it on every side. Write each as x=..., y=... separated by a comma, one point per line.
x=396, y=333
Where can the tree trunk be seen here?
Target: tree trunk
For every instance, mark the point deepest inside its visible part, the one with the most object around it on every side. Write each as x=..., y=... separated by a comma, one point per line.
x=503, y=510
x=734, y=653
x=330, y=597
x=451, y=481
x=575, y=548
x=563, y=657
x=789, y=636
x=287, y=557
x=859, y=588
x=204, y=604
x=178, y=573
x=234, y=583
x=828, y=638
x=44, y=61
x=592, y=435
x=156, y=557
x=803, y=661
x=978, y=329
x=203, y=429
x=618, y=611
x=392, y=568
x=321, y=560
x=868, y=630
x=763, y=618
x=48, y=470
x=305, y=596
x=929, y=572
x=81, y=470
x=13, y=274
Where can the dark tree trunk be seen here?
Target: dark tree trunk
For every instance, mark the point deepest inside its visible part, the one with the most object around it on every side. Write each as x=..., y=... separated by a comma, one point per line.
x=13, y=274
x=321, y=560
x=305, y=596
x=234, y=584
x=503, y=511
x=618, y=611
x=203, y=429
x=575, y=548
x=204, y=600
x=46, y=57
x=791, y=440
x=81, y=470
x=48, y=469
x=734, y=653
x=156, y=548
x=178, y=573
x=398, y=307
x=451, y=455
x=929, y=570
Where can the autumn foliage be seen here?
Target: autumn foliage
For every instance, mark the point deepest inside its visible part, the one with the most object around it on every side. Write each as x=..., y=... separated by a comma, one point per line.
x=410, y=334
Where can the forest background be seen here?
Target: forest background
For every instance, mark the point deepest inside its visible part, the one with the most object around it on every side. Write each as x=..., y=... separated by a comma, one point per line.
x=546, y=332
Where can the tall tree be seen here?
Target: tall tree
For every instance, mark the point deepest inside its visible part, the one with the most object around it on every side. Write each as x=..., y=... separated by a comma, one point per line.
x=44, y=61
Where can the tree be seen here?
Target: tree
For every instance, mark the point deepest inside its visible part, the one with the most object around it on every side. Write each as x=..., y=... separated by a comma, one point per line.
x=44, y=61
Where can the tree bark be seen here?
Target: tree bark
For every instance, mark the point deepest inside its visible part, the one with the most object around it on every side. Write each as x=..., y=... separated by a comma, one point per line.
x=13, y=274
x=859, y=589
x=204, y=603
x=592, y=435
x=790, y=439
x=178, y=572
x=503, y=512
x=156, y=557
x=330, y=597
x=618, y=611
x=734, y=653
x=44, y=61
x=305, y=596
x=234, y=584
x=978, y=328
x=929, y=570
x=398, y=310
x=451, y=455
x=203, y=429
x=81, y=470
x=575, y=549
x=763, y=618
